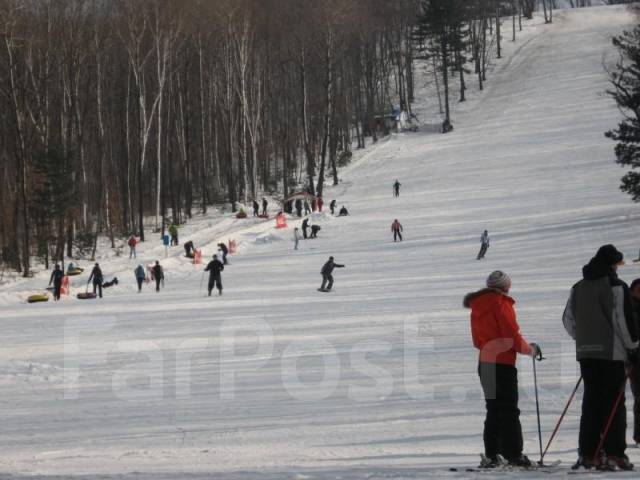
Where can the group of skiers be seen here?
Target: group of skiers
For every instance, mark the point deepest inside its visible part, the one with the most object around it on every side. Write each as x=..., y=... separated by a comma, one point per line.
x=602, y=316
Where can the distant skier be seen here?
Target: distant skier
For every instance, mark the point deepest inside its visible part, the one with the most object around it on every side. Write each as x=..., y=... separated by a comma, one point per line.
x=299, y=207
x=496, y=334
x=305, y=226
x=56, y=278
x=140, y=276
x=97, y=277
x=132, y=247
x=307, y=208
x=158, y=275
x=215, y=268
x=189, y=249
x=265, y=204
x=396, y=228
x=320, y=204
x=296, y=238
x=256, y=209
x=332, y=207
x=314, y=231
x=223, y=248
x=484, y=245
x=173, y=231
x=396, y=188
x=343, y=212
x=327, y=270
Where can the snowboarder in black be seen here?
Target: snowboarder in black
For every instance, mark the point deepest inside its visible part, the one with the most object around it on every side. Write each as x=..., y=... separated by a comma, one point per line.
x=223, y=248
x=396, y=188
x=215, y=268
x=158, y=275
x=305, y=226
x=256, y=209
x=56, y=277
x=332, y=207
x=96, y=276
x=326, y=271
x=264, y=206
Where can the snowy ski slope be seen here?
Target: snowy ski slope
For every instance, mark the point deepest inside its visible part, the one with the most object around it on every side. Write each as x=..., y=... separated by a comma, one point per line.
x=375, y=380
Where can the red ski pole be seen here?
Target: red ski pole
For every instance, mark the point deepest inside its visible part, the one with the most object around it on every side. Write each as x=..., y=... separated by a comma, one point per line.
x=564, y=412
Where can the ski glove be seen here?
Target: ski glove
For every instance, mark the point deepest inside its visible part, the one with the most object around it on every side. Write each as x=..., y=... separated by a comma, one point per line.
x=536, y=351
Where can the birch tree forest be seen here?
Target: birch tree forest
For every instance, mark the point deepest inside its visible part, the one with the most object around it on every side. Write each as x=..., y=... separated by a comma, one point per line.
x=117, y=116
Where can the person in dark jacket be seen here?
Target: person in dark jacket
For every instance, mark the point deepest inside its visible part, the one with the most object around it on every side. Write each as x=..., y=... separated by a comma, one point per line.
x=332, y=207
x=56, y=278
x=343, y=212
x=396, y=188
x=215, y=268
x=633, y=366
x=314, y=231
x=484, y=245
x=305, y=226
x=396, y=228
x=264, y=206
x=599, y=316
x=189, y=249
x=496, y=334
x=97, y=277
x=223, y=248
x=256, y=209
x=327, y=270
x=140, y=276
x=299, y=207
x=158, y=275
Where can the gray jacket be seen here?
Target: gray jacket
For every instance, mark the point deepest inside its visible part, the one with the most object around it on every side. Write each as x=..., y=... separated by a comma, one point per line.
x=599, y=315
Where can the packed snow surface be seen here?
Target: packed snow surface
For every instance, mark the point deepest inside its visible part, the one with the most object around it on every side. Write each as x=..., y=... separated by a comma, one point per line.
x=377, y=379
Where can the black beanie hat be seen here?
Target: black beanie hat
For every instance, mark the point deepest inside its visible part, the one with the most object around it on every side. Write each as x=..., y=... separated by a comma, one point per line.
x=609, y=254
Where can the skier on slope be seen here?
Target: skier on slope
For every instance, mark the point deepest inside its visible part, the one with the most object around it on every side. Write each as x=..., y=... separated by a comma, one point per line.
x=215, y=268
x=140, y=276
x=305, y=226
x=56, y=278
x=256, y=209
x=484, y=245
x=599, y=316
x=327, y=270
x=296, y=238
x=265, y=204
x=158, y=275
x=332, y=206
x=496, y=334
x=224, y=250
x=396, y=188
x=396, y=228
x=97, y=277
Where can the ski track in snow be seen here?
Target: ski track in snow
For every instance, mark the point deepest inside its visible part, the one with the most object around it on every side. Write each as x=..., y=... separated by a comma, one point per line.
x=377, y=379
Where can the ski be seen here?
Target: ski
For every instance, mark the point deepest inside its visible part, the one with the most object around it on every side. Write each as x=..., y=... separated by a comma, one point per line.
x=504, y=467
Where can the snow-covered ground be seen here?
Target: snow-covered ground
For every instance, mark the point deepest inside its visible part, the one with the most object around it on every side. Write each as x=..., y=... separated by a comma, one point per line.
x=376, y=379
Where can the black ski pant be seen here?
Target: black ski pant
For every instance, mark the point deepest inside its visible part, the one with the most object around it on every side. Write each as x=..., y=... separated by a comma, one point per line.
x=483, y=250
x=635, y=388
x=502, y=429
x=396, y=235
x=140, y=280
x=57, y=286
x=326, y=277
x=304, y=233
x=603, y=380
x=215, y=281
x=158, y=280
x=97, y=286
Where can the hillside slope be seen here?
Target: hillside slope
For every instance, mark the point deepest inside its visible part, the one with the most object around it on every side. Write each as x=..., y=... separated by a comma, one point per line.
x=376, y=379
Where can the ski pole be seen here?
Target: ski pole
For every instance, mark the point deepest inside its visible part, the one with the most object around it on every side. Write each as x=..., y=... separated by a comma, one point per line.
x=535, y=384
x=605, y=432
x=564, y=412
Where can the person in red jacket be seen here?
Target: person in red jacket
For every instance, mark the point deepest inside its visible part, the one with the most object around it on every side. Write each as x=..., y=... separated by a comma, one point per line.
x=497, y=335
